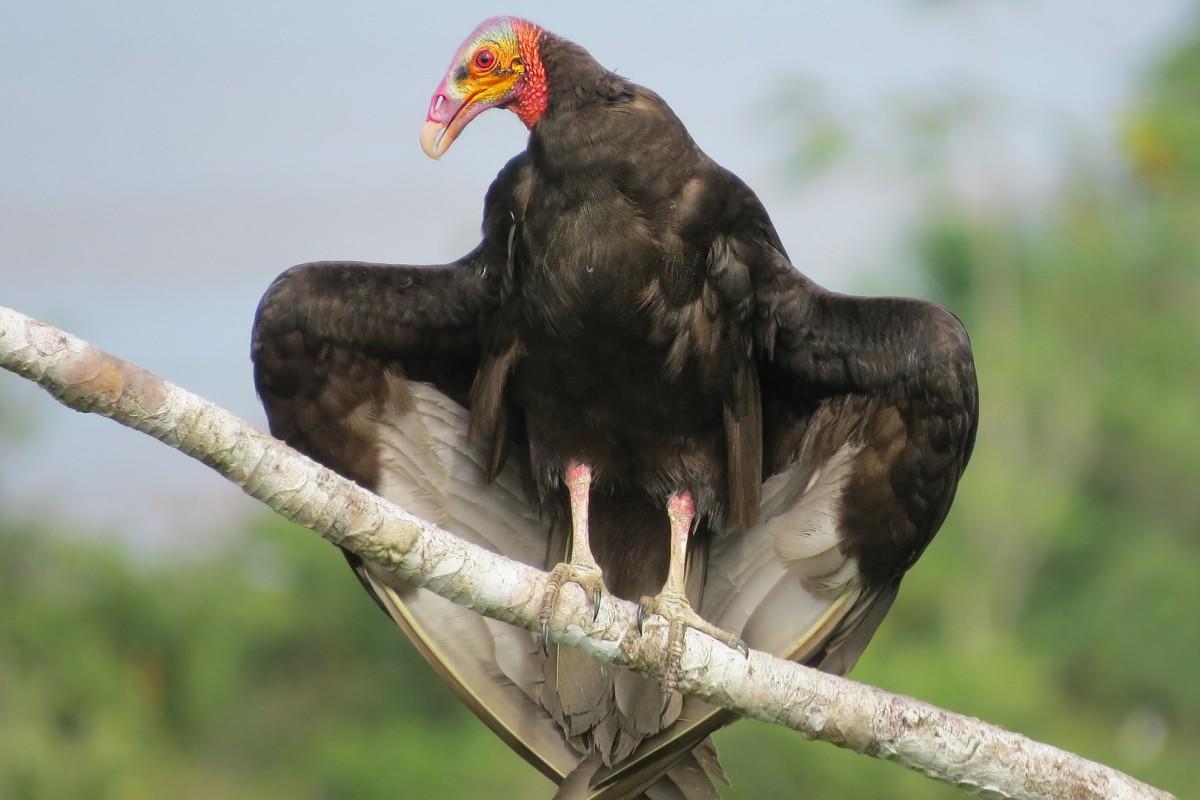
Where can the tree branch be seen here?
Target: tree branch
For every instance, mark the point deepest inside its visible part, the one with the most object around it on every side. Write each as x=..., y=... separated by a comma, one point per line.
x=946, y=746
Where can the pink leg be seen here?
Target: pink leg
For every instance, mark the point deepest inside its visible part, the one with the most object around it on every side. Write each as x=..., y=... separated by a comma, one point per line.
x=582, y=568
x=672, y=603
x=579, y=486
x=681, y=510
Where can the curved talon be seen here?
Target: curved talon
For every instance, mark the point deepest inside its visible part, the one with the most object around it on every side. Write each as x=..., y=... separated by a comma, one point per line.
x=741, y=645
x=641, y=617
x=587, y=576
x=666, y=706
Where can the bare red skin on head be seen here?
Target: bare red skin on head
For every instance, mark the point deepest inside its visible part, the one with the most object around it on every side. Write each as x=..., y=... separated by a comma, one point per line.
x=534, y=94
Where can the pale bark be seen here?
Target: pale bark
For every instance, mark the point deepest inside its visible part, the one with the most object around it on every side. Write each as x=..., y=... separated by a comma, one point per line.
x=941, y=744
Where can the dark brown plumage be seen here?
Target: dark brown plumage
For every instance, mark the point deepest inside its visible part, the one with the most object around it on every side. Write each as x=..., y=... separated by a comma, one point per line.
x=630, y=308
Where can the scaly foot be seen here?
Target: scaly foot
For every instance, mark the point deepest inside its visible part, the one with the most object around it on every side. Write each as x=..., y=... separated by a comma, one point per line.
x=677, y=611
x=582, y=569
x=586, y=575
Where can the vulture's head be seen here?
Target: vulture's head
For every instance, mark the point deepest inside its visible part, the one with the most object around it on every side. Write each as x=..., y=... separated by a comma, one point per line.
x=498, y=66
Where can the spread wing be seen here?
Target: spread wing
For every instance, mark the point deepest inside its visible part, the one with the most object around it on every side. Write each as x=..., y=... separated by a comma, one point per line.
x=869, y=408
x=367, y=368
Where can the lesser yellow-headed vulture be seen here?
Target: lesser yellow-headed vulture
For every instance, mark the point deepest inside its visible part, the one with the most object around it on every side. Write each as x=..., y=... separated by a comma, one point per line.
x=628, y=383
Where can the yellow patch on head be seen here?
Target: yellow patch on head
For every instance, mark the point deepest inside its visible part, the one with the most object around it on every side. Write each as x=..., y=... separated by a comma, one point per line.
x=490, y=68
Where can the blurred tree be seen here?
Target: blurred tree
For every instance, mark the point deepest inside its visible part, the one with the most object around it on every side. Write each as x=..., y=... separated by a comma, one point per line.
x=258, y=671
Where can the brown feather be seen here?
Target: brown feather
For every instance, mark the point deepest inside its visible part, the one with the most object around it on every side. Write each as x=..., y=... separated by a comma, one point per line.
x=743, y=447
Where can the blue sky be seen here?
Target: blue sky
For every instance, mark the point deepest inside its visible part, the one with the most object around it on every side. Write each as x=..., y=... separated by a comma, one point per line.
x=162, y=162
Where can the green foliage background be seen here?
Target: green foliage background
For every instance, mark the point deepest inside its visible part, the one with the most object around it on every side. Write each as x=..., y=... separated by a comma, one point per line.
x=1057, y=601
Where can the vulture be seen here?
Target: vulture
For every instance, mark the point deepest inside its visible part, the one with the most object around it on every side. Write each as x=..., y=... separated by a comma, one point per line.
x=629, y=384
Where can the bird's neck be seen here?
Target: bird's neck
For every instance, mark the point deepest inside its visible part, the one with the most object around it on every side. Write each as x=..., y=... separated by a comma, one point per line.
x=576, y=127
x=574, y=79
x=533, y=98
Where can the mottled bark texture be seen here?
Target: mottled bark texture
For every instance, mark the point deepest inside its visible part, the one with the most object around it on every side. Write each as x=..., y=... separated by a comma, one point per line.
x=946, y=746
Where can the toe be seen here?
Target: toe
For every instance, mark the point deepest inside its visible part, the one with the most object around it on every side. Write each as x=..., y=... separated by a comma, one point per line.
x=645, y=608
x=596, y=594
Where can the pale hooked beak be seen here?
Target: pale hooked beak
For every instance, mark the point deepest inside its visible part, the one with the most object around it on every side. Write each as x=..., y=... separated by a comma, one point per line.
x=445, y=121
x=435, y=139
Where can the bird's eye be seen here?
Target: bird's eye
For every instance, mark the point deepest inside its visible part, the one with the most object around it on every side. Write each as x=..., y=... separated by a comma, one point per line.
x=485, y=59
